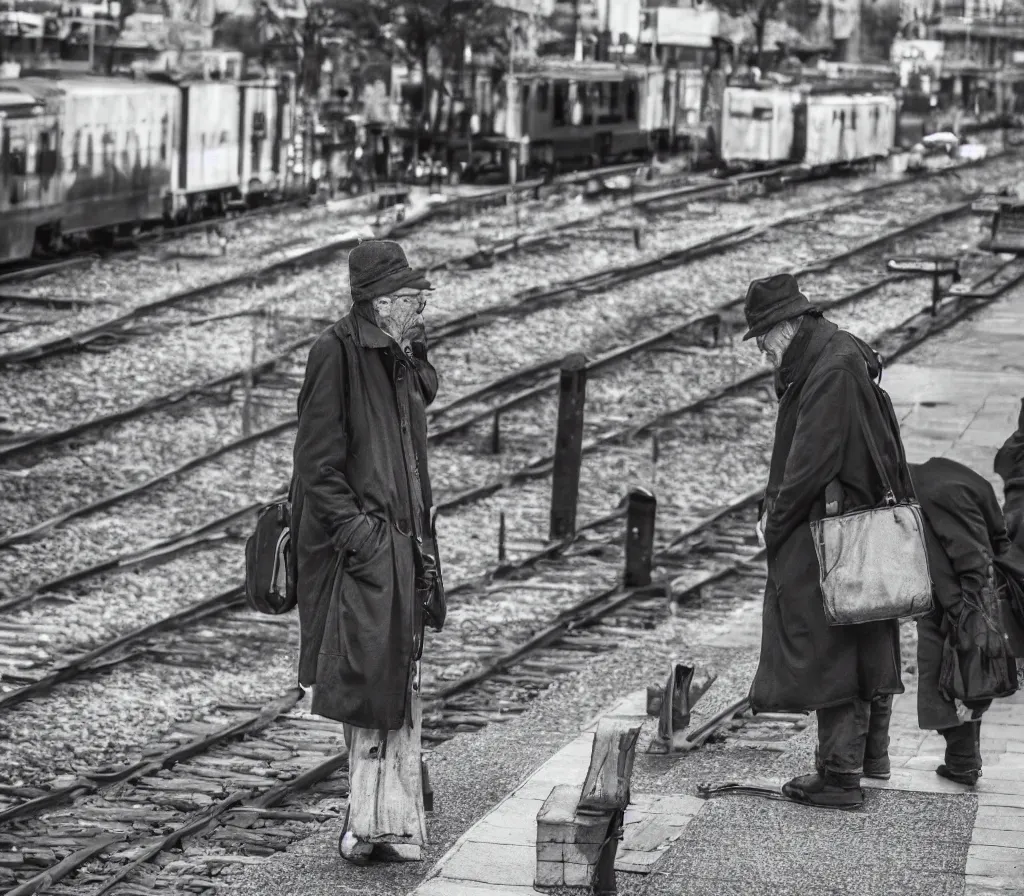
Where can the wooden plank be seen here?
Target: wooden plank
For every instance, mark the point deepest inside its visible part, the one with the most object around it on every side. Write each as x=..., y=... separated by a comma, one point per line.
x=606, y=787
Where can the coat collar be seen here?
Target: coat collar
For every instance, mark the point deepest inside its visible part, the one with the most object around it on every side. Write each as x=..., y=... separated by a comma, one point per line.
x=809, y=342
x=364, y=331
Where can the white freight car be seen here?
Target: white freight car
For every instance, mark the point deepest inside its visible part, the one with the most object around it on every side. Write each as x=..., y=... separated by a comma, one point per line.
x=209, y=162
x=847, y=129
x=758, y=126
x=118, y=146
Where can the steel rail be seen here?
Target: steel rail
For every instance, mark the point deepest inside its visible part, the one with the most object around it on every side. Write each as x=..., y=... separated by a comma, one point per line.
x=175, y=546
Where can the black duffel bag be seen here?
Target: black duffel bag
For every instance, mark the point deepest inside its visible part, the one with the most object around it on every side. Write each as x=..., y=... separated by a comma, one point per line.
x=269, y=578
x=1009, y=568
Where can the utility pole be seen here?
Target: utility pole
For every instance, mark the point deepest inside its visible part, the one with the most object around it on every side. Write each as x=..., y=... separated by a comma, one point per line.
x=512, y=126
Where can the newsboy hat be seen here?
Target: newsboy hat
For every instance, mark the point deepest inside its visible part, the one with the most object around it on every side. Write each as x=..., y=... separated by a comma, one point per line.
x=772, y=300
x=379, y=267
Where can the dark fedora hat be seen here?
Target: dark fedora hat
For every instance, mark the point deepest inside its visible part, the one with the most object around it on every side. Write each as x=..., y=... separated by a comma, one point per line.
x=772, y=300
x=378, y=268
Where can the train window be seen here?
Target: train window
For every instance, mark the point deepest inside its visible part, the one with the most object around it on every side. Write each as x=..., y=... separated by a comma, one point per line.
x=165, y=126
x=586, y=98
x=543, y=89
x=561, y=103
x=614, y=98
x=46, y=155
x=631, y=102
x=17, y=153
x=259, y=124
x=88, y=153
x=76, y=151
x=5, y=153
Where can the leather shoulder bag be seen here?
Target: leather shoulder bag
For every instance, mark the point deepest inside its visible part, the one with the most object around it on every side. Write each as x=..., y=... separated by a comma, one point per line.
x=873, y=564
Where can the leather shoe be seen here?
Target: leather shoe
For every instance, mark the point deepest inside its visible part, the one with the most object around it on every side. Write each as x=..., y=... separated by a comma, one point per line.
x=815, y=791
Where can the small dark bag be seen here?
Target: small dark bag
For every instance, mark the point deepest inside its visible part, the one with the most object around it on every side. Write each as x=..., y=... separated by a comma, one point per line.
x=269, y=573
x=429, y=582
x=1009, y=568
x=976, y=661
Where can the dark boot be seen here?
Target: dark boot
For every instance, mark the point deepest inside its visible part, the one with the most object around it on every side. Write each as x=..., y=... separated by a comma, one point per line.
x=963, y=754
x=826, y=791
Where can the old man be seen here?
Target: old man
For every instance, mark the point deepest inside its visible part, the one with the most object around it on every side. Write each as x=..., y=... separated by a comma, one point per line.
x=1009, y=465
x=363, y=547
x=828, y=410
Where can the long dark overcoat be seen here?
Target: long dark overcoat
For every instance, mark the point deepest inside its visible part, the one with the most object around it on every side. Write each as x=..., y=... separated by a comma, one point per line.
x=360, y=466
x=1009, y=464
x=827, y=406
x=965, y=530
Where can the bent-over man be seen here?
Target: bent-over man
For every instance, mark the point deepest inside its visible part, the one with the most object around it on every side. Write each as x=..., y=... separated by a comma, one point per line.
x=965, y=531
x=360, y=507
x=828, y=409
x=1009, y=465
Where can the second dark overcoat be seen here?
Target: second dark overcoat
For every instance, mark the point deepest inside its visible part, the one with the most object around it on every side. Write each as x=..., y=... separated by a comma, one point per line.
x=360, y=467
x=965, y=531
x=827, y=406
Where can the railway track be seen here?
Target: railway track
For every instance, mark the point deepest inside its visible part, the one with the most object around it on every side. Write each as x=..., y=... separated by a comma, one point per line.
x=518, y=392
x=218, y=535
x=526, y=301
x=535, y=188
x=101, y=332
x=316, y=248
x=216, y=788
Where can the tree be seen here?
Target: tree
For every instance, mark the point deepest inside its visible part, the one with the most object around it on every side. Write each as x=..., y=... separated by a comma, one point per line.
x=427, y=34
x=757, y=12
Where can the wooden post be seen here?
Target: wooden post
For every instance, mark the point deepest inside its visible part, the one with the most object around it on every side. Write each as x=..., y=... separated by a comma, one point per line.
x=496, y=434
x=565, y=484
x=640, y=510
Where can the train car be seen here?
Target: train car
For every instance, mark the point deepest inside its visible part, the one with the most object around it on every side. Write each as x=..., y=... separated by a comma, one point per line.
x=117, y=152
x=819, y=127
x=209, y=167
x=93, y=155
x=843, y=130
x=26, y=178
x=584, y=112
x=759, y=127
x=264, y=118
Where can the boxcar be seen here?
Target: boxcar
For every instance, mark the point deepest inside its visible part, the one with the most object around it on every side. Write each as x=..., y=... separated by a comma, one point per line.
x=82, y=154
x=117, y=151
x=844, y=129
x=26, y=178
x=583, y=112
x=263, y=120
x=209, y=163
x=758, y=126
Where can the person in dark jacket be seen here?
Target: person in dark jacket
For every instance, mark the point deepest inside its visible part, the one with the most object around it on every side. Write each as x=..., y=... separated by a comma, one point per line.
x=1009, y=465
x=965, y=531
x=828, y=408
x=360, y=508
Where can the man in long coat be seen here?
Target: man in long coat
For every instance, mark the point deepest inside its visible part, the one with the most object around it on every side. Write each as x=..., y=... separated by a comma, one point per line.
x=827, y=410
x=965, y=532
x=1009, y=465
x=360, y=505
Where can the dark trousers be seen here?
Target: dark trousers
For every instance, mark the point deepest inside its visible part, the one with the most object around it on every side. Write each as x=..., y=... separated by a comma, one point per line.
x=851, y=736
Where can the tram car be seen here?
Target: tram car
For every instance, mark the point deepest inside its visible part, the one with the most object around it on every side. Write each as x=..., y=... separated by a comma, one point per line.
x=577, y=114
x=818, y=130
x=100, y=156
